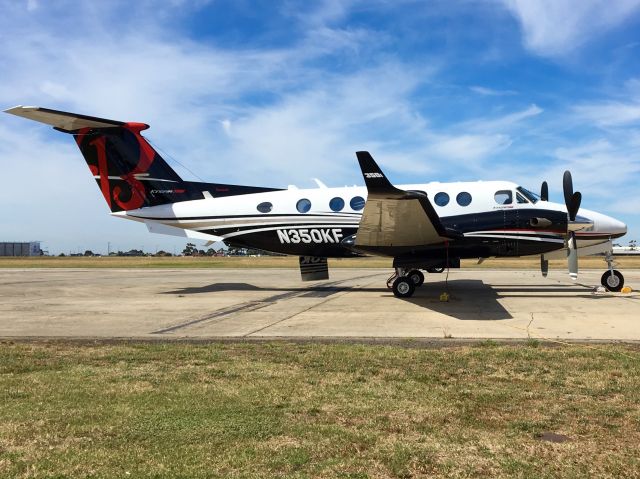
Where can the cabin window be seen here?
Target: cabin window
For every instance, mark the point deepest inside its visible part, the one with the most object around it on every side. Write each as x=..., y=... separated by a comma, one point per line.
x=357, y=203
x=336, y=204
x=303, y=205
x=463, y=198
x=265, y=207
x=441, y=199
x=503, y=197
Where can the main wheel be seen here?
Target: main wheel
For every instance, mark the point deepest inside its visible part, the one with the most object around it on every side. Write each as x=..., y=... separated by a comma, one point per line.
x=612, y=283
x=403, y=287
x=435, y=270
x=416, y=276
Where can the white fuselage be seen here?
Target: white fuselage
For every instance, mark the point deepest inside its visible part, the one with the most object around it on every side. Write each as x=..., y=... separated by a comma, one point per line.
x=225, y=218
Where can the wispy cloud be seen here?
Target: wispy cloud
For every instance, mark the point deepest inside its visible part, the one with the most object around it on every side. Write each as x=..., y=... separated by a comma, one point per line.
x=481, y=90
x=556, y=27
x=501, y=123
x=609, y=113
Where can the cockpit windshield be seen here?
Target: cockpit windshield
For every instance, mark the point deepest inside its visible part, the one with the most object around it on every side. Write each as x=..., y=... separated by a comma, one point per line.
x=528, y=194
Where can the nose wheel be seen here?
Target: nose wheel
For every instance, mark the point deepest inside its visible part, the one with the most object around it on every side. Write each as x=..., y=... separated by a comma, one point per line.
x=612, y=279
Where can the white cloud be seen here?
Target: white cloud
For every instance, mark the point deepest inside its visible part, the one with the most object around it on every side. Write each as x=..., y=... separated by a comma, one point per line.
x=609, y=113
x=501, y=123
x=599, y=168
x=556, y=27
x=481, y=90
x=470, y=148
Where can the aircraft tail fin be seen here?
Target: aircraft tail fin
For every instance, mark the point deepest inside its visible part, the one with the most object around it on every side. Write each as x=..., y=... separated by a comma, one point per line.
x=130, y=173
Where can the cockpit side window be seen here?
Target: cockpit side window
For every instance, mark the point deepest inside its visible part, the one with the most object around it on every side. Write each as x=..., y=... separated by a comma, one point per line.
x=503, y=197
x=532, y=197
x=521, y=199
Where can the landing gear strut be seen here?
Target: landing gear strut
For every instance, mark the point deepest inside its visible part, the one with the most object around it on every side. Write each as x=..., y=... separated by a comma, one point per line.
x=612, y=279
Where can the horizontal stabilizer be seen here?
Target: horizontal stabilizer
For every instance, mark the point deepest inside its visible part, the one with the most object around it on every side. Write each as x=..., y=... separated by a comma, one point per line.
x=62, y=119
x=159, y=228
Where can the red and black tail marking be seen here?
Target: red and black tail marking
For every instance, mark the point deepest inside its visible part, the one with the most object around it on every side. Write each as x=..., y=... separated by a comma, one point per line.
x=132, y=175
x=129, y=172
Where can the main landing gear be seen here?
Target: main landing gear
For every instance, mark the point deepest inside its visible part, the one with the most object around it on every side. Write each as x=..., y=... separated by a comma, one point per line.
x=612, y=279
x=404, y=282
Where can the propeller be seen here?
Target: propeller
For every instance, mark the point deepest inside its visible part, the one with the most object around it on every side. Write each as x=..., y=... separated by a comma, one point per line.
x=571, y=199
x=544, y=191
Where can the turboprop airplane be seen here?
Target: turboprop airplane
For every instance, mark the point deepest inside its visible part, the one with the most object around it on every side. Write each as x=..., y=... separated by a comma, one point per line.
x=423, y=227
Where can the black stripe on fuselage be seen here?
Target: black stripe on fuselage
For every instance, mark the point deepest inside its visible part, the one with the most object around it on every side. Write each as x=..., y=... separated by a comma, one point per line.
x=491, y=220
x=265, y=215
x=494, y=233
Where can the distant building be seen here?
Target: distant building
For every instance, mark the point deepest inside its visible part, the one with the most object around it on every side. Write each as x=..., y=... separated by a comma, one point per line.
x=31, y=248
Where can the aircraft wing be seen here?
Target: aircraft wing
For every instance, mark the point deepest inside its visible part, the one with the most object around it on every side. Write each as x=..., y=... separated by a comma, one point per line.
x=394, y=217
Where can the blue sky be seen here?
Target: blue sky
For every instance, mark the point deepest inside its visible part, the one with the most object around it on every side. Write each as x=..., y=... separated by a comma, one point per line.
x=276, y=93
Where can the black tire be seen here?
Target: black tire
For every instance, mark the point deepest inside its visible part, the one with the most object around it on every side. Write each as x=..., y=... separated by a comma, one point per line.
x=417, y=277
x=403, y=287
x=435, y=270
x=614, y=283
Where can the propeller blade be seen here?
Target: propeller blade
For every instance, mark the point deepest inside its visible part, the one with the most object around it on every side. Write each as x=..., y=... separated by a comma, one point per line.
x=573, y=256
x=567, y=187
x=574, y=205
x=544, y=191
x=571, y=200
x=544, y=266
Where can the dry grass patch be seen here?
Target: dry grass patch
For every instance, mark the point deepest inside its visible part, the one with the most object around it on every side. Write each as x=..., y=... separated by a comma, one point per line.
x=311, y=410
x=624, y=262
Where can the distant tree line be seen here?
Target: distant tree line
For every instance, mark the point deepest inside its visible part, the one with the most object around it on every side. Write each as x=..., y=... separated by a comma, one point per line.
x=190, y=250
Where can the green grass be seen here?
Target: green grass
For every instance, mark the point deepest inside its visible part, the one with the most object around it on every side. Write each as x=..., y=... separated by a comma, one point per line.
x=317, y=410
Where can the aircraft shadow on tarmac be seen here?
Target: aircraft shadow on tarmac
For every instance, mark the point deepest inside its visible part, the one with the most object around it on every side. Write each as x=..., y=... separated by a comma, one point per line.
x=469, y=299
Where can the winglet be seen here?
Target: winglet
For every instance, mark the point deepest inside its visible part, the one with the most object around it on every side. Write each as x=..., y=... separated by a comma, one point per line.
x=376, y=181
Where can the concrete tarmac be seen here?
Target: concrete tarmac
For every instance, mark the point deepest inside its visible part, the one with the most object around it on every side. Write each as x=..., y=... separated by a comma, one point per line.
x=273, y=303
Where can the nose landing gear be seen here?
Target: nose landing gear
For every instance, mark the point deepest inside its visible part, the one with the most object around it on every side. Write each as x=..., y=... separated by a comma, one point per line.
x=612, y=279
